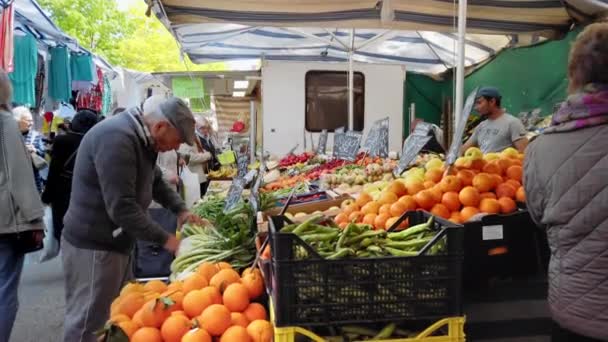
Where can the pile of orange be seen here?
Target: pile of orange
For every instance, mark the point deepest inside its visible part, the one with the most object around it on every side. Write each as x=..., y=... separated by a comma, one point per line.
x=213, y=304
x=482, y=186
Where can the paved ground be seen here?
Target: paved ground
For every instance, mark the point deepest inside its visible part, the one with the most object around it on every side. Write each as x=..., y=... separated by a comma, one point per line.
x=42, y=305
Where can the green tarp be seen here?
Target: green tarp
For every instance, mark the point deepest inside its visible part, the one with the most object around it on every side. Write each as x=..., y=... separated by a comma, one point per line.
x=528, y=78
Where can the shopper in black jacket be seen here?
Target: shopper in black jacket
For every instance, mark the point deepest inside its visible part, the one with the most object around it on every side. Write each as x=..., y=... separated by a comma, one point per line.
x=59, y=182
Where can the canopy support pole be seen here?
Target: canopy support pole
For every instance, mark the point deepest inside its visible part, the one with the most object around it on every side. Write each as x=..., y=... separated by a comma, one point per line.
x=253, y=134
x=351, y=82
x=462, y=28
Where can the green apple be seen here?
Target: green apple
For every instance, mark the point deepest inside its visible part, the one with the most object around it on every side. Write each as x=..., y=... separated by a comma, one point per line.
x=434, y=163
x=510, y=152
x=474, y=153
x=491, y=156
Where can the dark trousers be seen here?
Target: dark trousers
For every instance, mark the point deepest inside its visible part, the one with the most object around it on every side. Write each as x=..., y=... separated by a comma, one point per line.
x=559, y=334
x=204, y=187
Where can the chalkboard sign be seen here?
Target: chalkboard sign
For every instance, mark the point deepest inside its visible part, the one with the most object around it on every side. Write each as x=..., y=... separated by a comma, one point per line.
x=411, y=147
x=254, y=195
x=423, y=129
x=234, y=194
x=242, y=162
x=376, y=143
x=322, y=146
x=454, y=151
x=347, y=145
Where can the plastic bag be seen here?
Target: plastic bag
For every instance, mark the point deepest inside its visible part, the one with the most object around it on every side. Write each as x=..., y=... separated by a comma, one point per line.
x=50, y=247
x=192, y=189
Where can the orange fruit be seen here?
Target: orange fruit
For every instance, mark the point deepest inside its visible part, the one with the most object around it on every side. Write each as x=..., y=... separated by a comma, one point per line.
x=174, y=328
x=467, y=212
x=215, y=319
x=146, y=334
x=176, y=285
x=493, y=167
x=131, y=303
x=351, y=208
x=238, y=318
x=384, y=209
x=236, y=297
x=455, y=217
x=415, y=188
x=478, y=164
x=128, y=327
x=369, y=219
x=505, y=190
x=255, y=311
x=466, y=177
x=425, y=199
x=380, y=221
x=341, y=218
x=434, y=175
x=514, y=172
x=137, y=318
x=179, y=313
x=131, y=288
x=397, y=209
x=196, y=335
x=487, y=195
x=397, y=188
x=155, y=286
x=254, y=283
x=489, y=206
x=441, y=211
x=363, y=199
x=195, y=302
x=469, y=197
x=483, y=182
x=370, y=208
x=409, y=202
x=436, y=193
x=207, y=270
x=223, y=265
x=153, y=313
x=224, y=278
x=496, y=180
x=450, y=183
x=429, y=184
x=520, y=195
x=355, y=216
x=515, y=184
x=507, y=205
x=235, y=334
x=260, y=331
x=392, y=220
x=342, y=225
x=194, y=282
x=515, y=162
x=388, y=198
x=119, y=318
x=504, y=163
x=450, y=200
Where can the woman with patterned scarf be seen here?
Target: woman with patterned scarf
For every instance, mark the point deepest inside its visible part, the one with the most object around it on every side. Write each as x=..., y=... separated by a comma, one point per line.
x=566, y=183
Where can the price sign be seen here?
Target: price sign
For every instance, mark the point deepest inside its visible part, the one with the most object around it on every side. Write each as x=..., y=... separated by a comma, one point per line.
x=322, y=146
x=242, y=162
x=411, y=147
x=234, y=194
x=423, y=129
x=454, y=151
x=376, y=143
x=254, y=195
x=347, y=146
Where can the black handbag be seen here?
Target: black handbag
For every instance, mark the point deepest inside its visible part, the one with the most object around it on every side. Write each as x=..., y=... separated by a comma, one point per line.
x=25, y=242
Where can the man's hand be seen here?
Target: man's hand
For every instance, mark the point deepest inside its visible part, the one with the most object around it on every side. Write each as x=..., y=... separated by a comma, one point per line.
x=30, y=148
x=172, y=244
x=188, y=217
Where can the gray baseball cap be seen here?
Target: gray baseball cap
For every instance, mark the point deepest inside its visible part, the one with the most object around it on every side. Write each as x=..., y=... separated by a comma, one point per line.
x=491, y=92
x=180, y=116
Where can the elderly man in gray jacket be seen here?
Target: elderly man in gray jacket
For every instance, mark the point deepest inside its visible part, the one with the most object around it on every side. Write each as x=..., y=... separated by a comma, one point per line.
x=21, y=210
x=115, y=180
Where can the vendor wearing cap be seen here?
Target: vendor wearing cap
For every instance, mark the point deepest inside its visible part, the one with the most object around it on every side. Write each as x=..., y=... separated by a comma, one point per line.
x=499, y=130
x=115, y=179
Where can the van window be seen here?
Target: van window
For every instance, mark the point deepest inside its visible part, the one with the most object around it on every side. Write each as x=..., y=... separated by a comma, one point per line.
x=327, y=100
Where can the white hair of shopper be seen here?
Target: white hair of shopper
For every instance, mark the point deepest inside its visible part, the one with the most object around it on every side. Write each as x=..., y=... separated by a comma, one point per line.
x=6, y=90
x=21, y=112
x=152, y=108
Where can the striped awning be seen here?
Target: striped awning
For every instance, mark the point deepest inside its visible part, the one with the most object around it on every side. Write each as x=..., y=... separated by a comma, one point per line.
x=228, y=110
x=417, y=33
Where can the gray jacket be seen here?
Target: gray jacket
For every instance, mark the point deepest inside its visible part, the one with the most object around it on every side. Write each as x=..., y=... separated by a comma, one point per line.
x=115, y=180
x=566, y=182
x=21, y=209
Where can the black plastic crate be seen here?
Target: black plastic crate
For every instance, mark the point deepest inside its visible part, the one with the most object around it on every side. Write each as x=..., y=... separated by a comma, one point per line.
x=315, y=291
x=503, y=246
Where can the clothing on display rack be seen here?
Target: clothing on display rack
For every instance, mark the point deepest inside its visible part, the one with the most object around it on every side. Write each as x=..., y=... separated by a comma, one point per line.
x=25, y=63
x=93, y=98
x=82, y=67
x=7, y=24
x=60, y=80
x=39, y=81
x=106, y=96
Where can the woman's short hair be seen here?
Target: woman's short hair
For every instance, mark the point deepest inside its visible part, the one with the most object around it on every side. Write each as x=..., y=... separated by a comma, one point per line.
x=588, y=57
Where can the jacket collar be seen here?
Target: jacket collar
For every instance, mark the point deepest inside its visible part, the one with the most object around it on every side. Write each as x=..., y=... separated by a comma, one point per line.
x=136, y=116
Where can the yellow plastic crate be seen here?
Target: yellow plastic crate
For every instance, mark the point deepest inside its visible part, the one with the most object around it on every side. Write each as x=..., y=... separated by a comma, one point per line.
x=455, y=333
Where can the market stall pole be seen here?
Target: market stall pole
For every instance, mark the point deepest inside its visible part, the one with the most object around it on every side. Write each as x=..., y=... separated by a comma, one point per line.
x=462, y=28
x=253, y=119
x=351, y=83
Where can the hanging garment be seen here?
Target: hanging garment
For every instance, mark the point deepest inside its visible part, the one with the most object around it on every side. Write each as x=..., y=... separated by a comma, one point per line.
x=40, y=79
x=6, y=37
x=60, y=80
x=106, y=105
x=25, y=64
x=93, y=98
x=81, y=66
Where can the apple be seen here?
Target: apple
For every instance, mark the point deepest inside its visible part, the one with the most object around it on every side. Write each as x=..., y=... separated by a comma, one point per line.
x=346, y=203
x=464, y=162
x=491, y=156
x=333, y=208
x=474, y=153
x=510, y=152
x=434, y=163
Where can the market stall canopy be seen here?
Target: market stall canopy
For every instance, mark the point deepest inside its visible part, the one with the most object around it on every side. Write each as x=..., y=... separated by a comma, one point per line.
x=319, y=30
